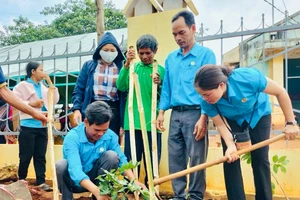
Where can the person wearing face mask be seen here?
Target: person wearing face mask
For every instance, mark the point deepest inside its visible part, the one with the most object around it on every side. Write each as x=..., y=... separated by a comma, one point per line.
x=97, y=82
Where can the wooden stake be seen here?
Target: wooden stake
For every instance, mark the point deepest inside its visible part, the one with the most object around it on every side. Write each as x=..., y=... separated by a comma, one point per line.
x=216, y=162
x=145, y=136
x=50, y=139
x=153, y=127
x=131, y=122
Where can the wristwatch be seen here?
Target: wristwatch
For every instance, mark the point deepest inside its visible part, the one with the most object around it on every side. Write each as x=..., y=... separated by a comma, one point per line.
x=294, y=122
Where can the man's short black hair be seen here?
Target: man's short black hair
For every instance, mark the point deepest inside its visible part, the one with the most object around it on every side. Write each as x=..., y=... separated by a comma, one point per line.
x=98, y=113
x=187, y=16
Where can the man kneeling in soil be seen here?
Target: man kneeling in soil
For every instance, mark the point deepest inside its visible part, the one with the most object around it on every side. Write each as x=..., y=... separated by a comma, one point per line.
x=87, y=149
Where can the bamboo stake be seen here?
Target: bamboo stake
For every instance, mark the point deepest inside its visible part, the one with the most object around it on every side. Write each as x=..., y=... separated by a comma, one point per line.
x=50, y=139
x=145, y=136
x=153, y=127
x=218, y=161
x=131, y=122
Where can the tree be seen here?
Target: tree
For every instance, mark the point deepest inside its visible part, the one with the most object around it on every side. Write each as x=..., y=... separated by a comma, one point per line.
x=72, y=17
x=113, y=18
x=25, y=31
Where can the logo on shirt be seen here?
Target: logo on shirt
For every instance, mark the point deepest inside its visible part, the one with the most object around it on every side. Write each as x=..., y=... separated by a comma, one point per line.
x=193, y=63
x=244, y=100
x=101, y=149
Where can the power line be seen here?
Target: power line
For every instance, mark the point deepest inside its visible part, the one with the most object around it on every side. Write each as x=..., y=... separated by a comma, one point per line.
x=284, y=4
x=289, y=17
x=281, y=11
x=274, y=7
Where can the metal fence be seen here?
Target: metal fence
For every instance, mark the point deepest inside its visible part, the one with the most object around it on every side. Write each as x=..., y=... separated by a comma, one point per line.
x=58, y=65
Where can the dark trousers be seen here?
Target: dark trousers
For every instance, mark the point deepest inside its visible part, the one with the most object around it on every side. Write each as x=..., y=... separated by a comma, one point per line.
x=2, y=139
x=140, y=148
x=260, y=164
x=115, y=121
x=109, y=160
x=33, y=143
x=183, y=147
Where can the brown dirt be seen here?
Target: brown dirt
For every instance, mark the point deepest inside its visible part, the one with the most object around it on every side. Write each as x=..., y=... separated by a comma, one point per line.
x=39, y=194
x=9, y=173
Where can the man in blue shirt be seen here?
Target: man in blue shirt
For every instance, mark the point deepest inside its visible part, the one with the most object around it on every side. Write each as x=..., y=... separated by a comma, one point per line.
x=87, y=150
x=16, y=102
x=188, y=132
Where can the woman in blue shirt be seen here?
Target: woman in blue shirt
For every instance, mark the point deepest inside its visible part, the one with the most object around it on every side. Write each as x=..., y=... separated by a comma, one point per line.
x=237, y=100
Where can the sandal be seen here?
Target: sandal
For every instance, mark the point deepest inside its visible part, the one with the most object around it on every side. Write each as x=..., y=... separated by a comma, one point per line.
x=45, y=187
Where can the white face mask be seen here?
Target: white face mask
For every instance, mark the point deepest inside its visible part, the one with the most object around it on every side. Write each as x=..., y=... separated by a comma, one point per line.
x=108, y=56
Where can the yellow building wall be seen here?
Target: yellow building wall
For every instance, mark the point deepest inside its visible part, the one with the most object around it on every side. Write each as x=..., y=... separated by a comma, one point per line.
x=215, y=179
x=276, y=74
x=157, y=24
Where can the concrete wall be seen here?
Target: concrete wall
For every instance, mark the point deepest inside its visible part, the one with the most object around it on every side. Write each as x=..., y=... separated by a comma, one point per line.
x=157, y=24
x=215, y=182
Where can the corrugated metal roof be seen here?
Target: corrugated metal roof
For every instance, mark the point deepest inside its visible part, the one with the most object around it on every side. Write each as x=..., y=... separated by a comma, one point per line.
x=36, y=47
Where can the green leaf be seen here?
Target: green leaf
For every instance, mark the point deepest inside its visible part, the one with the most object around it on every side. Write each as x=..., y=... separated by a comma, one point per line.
x=283, y=169
x=246, y=156
x=275, y=168
x=249, y=160
x=104, y=190
x=285, y=162
x=273, y=188
x=123, y=197
x=275, y=159
x=282, y=159
x=145, y=194
x=114, y=195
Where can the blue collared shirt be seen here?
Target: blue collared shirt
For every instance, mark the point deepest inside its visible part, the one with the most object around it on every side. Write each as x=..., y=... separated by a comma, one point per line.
x=245, y=86
x=33, y=123
x=2, y=77
x=81, y=154
x=180, y=70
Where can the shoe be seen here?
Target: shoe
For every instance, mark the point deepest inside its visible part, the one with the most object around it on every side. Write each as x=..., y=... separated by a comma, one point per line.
x=45, y=187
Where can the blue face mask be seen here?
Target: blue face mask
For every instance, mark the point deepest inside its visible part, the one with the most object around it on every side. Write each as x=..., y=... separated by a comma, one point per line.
x=108, y=56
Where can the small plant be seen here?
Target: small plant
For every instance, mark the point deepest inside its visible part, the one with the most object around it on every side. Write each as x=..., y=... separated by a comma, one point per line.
x=278, y=163
x=117, y=186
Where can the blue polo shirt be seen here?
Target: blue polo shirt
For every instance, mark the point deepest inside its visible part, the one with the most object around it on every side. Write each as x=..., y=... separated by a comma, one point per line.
x=33, y=123
x=2, y=78
x=245, y=86
x=81, y=154
x=180, y=70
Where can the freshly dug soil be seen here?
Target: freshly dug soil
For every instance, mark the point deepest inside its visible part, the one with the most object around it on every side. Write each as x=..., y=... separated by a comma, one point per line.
x=39, y=194
x=9, y=173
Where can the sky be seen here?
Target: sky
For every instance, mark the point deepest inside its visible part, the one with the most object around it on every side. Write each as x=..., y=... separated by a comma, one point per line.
x=210, y=14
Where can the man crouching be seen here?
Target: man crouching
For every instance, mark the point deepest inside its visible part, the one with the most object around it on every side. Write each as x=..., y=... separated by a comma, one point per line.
x=87, y=150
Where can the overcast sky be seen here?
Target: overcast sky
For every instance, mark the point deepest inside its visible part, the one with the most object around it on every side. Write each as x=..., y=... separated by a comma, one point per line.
x=210, y=14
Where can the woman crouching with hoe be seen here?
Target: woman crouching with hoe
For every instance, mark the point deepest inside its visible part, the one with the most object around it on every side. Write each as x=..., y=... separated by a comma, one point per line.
x=238, y=103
